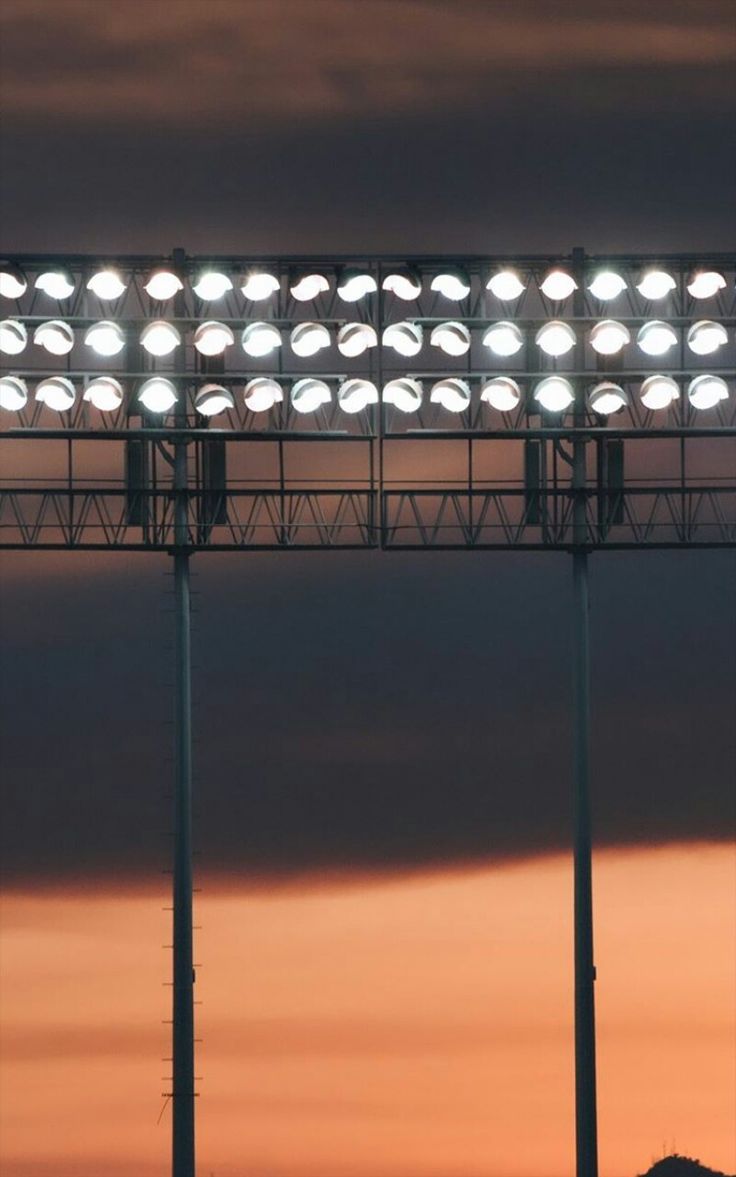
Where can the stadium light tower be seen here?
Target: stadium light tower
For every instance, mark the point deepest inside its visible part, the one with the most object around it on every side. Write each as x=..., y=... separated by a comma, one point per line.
x=600, y=377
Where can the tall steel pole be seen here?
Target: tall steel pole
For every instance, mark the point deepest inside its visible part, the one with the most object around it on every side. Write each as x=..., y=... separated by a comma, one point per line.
x=182, y=1164
x=586, y=1119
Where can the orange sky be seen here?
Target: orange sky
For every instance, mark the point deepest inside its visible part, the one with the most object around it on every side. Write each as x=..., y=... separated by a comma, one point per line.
x=418, y=1027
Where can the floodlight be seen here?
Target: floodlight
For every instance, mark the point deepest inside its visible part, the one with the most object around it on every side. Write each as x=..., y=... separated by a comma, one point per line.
x=451, y=338
x=355, y=394
x=607, y=398
x=404, y=394
x=705, y=337
x=309, y=394
x=13, y=337
x=405, y=338
x=606, y=285
x=55, y=336
x=260, y=339
x=501, y=393
x=158, y=395
x=106, y=338
x=211, y=285
x=259, y=285
x=308, y=285
x=262, y=393
x=556, y=338
x=211, y=338
x=706, y=391
x=57, y=393
x=105, y=393
x=706, y=283
x=452, y=394
x=13, y=393
x=405, y=282
x=506, y=284
x=309, y=338
x=658, y=392
x=608, y=337
x=57, y=284
x=558, y=284
x=555, y=394
x=107, y=284
x=13, y=282
x=160, y=338
x=504, y=339
x=655, y=284
x=656, y=337
x=355, y=284
x=212, y=399
x=355, y=338
x=453, y=283
x=163, y=284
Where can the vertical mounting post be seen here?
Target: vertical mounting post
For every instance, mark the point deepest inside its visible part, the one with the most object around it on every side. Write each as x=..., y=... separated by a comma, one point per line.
x=586, y=1125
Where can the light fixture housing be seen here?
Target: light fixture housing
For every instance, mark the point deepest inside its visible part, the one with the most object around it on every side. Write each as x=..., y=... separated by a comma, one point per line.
x=158, y=394
x=655, y=284
x=502, y=393
x=260, y=285
x=607, y=285
x=405, y=282
x=405, y=338
x=659, y=392
x=262, y=393
x=306, y=285
x=57, y=284
x=353, y=339
x=451, y=338
x=656, y=337
x=556, y=338
x=609, y=337
x=506, y=284
x=55, y=336
x=260, y=339
x=211, y=285
x=307, y=339
x=107, y=284
x=105, y=393
x=504, y=339
x=105, y=337
x=13, y=337
x=13, y=393
x=310, y=394
x=56, y=392
x=212, y=338
x=555, y=394
x=607, y=398
x=452, y=393
x=706, y=337
x=452, y=283
x=13, y=282
x=558, y=284
x=405, y=394
x=707, y=391
x=356, y=394
x=160, y=338
x=706, y=283
x=163, y=284
x=355, y=284
x=212, y=399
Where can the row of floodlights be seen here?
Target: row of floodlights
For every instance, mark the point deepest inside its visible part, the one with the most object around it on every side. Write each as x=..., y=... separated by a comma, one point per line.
x=556, y=338
x=506, y=283
x=554, y=394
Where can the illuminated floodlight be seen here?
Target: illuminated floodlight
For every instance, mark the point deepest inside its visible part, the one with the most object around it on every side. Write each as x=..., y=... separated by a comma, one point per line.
x=656, y=337
x=555, y=338
x=506, y=284
x=260, y=339
x=606, y=285
x=558, y=284
x=706, y=283
x=356, y=394
x=355, y=284
x=163, y=284
x=405, y=282
x=105, y=393
x=404, y=394
x=706, y=391
x=13, y=337
x=501, y=393
x=705, y=337
x=451, y=338
x=453, y=394
x=259, y=285
x=658, y=392
x=107, y=284
x=608, y=337
x=211, y=285
x=55, y=336
x=160, y=338
x=405, y=338
x=158, y=395
x=504, y=339
x=308, y=285
x=309, y=394
x=555, y=394
x=607, y=398
x=57, y=284
x=655, y=284
x=13, y=282
x=355, y=338
x=13, y=393
x=453, y=283
x=212, y=399
x=309, y=338
x=211, y=338
x=57, y=392
x=106, y=338
x=262, y=394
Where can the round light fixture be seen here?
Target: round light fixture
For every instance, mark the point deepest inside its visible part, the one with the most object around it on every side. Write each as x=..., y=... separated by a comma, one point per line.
x=705, y=337
x=555, y=338
x=452, y=283
x=655, y=284
x=260, y=285
x=502, y=393
x=260, y=339
x=658, y=392
x=607, y=398
x=105, y=393
x=13, y=393
x=13, y=282
x=405, y=394
x=555, y=394
x=55, y=336
x=212, y=399
x=306, y=286
x=107, y=284
x=309, y=394
x=656, y=337
x=606, y=285
x=405, y=283
x=163, y=284
x=355, y=284
x=309, y=338
x=13, y=337
x=158, y=395
x=451, y=338
x=105, y=337
x=211, y=338
x=353, y=339
x=56, y=392
x=706, y=283
x=405, y=338
x=706, y=391
x=354, y=395
x=211, y=285
x=57, y=284
x=504, y=339
x=608, y=337
x=558, y=285
x=262, y=393
x=160, y=338
x=506, y=285
x=453, y=394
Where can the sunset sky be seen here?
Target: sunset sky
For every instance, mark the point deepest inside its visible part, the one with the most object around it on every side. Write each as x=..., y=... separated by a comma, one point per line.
x=382, y=766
